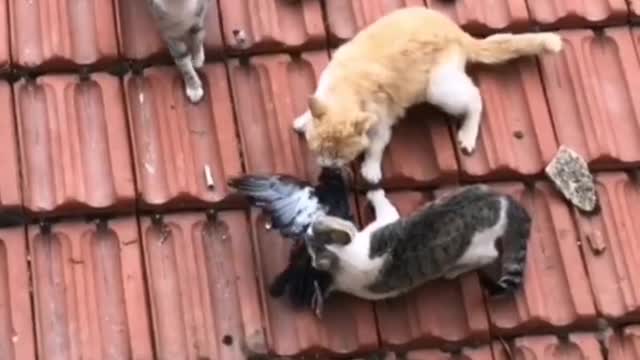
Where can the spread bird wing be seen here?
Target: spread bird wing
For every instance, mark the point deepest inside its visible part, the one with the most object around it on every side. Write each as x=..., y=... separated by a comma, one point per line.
x=291, y=204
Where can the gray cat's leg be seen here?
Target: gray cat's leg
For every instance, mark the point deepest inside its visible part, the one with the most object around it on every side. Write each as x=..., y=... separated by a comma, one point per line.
x=196, y=45
x=384, y=210
x=182, y=58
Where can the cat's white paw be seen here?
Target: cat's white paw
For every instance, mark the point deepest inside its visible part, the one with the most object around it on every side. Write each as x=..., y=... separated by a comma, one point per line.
x=371, y=172
x=553, y=42
x=300, y=123
x=194, y=93
x=198, y=59
x=467, y=141
x=375, y=195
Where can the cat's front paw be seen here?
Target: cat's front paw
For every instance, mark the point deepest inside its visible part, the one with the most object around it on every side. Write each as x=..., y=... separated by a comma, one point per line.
x=467, y=142
x=198, y=58
x=300, y=123
x=375, y=195
x=194, y=93
x=371, y=172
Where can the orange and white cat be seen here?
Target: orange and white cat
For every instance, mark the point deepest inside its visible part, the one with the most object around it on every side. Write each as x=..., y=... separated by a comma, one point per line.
x=409, y=56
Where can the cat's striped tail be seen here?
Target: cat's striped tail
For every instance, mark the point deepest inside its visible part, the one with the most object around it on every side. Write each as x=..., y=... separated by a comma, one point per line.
x=514, y=247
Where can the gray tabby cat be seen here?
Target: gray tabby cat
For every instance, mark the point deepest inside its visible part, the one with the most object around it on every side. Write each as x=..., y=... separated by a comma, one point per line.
x=461, y=232
x=181, y=24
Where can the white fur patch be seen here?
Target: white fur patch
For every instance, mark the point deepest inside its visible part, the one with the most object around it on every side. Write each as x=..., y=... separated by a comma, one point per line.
x=482, y=250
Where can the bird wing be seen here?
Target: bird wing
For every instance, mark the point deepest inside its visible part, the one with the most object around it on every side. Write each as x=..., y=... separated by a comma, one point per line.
x=291, y=204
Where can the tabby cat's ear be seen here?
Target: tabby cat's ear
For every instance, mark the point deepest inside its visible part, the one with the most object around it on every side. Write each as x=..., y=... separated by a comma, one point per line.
x=317, y=107
x=340, y=237
x=333, y=231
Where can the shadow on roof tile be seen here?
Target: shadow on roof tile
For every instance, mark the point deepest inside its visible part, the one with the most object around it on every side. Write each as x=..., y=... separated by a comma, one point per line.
x=577, y=13
x=88, y=289
x=485, y=16
x=173, y=140
x=75, y=152
x=16, y=328
x=62, y=34
x=589, y=88
x=203, y=291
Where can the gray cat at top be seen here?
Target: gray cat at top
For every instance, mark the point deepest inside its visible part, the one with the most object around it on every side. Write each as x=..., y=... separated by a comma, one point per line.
x=181, y=25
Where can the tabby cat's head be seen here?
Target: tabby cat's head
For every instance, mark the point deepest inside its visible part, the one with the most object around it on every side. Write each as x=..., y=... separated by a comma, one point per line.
x=329, y=233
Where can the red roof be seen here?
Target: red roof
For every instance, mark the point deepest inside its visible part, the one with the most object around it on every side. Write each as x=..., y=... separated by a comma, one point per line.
x=159, y=275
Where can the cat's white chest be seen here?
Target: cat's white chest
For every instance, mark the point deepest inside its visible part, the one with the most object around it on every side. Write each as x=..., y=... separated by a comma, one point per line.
x=358, y=271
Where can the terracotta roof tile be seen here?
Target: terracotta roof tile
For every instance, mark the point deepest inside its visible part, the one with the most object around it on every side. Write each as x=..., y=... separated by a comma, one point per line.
x=62, y=33
x=589, y=89
x=10, y=191
x=480, y=353
x=139, y=38
x=485, y=16
x=4, y=37
x=347, y=325
x=271, y=25
x=548, y=347
x=88, y=289
x=74, y=146
x=269, y=92
x=346, y=17
x=409, y=321
x=204, y=296
x=624, y=345
x=577, y=13
x=608, y=245
x=16, y=330
x=554, y=266
x=516, y=133
x=173, y=140
x=421, y=151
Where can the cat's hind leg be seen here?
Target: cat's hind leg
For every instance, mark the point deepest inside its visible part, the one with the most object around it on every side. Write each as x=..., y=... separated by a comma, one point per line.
x=452, y=90
x=182, y=58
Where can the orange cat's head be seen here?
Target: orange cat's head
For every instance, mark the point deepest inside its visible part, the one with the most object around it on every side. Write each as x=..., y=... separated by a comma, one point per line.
x=338, y=132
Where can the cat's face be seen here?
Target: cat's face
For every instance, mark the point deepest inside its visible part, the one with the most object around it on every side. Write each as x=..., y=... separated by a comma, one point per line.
x=329, y=234
x=338, y=133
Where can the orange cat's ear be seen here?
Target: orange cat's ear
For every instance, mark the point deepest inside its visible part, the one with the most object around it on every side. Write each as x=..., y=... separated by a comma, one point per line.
x=317, y=107
x=362, y=123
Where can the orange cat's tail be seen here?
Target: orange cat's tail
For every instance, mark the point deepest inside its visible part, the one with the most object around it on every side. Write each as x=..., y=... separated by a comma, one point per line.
x=499, y=48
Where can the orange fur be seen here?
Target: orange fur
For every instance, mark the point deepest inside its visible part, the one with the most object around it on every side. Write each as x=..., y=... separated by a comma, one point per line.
x=387, y=67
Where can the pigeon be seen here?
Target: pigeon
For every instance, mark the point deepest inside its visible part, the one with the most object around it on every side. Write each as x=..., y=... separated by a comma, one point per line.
x=293, y=206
